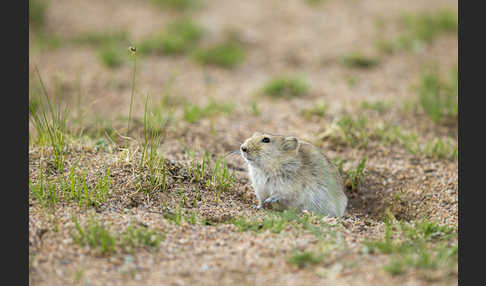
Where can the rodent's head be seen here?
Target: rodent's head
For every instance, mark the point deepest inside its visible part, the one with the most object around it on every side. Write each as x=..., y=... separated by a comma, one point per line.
x=269, y=151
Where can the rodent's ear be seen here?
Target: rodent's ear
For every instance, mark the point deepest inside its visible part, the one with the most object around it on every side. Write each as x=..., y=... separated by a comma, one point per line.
x=257, y=134
x=290, y=144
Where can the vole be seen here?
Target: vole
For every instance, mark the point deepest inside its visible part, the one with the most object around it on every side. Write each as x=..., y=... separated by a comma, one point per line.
x=286, y=172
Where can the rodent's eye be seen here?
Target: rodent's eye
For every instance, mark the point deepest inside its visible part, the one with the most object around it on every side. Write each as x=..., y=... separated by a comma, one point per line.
x=265, y=140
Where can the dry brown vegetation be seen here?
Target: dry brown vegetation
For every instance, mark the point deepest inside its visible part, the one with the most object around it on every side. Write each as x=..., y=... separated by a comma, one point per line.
x=367, y=81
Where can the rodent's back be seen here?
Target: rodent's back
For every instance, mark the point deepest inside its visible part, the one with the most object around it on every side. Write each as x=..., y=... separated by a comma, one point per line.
x=325, y=191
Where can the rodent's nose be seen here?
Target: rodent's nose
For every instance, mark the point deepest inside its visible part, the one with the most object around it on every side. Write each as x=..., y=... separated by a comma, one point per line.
x=244, y=149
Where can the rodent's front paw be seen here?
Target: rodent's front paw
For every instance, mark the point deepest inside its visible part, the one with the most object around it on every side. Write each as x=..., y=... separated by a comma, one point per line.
x=271, y=200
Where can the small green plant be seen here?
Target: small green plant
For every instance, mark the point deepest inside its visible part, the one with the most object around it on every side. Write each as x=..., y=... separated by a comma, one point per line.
x=286, y=86
x=339, y=163
x=109, y=44
x=151, y=159
x=274, y=225
x=319, y=110
x=76, y=188
x=254, y=109
x=78, y=275
x=352, y=80
x=314, y=2
x=99, y=237
x=395, y=267
x=356, y=175
x=422, y=28
x=192, y=218
x=111, y=56
x=442, y=148
x=197, y=170
x=37, y=14
x=418, y=244
x=435, y=148
x=175, y=217
x=177, y=38
x=378, y=106
x=134, y=238
x=47, y=41
x=359, y=60
x=177, y=4
x=419, y=30
x=103, y=38
x=355, y=131
x=44, y=191
x=305, y=258
x=227, y=54
x=439, y=99
x=50, y=124
x=385, y=46
x=194, y=113
x=221, y=179
x=274, y=222
x=95, y=235
x=389, y=134
x=218, y=179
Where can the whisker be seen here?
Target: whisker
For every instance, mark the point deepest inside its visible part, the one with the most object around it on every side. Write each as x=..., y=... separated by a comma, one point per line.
x=235, y=152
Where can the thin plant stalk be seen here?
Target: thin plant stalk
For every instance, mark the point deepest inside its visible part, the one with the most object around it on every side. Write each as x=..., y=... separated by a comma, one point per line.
x=132, y=93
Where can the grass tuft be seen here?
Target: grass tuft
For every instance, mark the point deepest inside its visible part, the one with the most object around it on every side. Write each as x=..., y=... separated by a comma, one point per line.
x=217, y=180
x=154, y=133
x=360, y=132
x=275, y=222
x=417, y=245
x=424, y=27
x=176, y=217
x=314, y=2
x=193, y=113
x=286, y=86
x=378, y=106
x=318, y=110
x=227, y=54
x=37, y=14
x=176, y=4
x=438, y=98
x=221, y=179
x=103, y=38
x=49, y=123
x=76, y=188
x=100, y=238
x=71, y=187
x=358, y=60
x=109, y=44
x=419, y=30
x=442, y=148
x=356, y=175
x=177, y=38
x=44, y=191
x=436, y=148
x=255, y=109
x=111, y=56
x=305, y=258
x=355, y=131
x=134, y=238
x=94, y=235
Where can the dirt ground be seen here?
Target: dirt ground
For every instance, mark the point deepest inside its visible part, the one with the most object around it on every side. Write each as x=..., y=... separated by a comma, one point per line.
x=280, y=37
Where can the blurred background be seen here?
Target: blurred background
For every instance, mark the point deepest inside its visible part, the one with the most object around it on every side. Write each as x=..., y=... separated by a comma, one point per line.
x=194, y=52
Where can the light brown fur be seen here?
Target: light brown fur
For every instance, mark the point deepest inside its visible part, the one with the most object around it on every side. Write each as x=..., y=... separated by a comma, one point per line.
x=290, y=173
